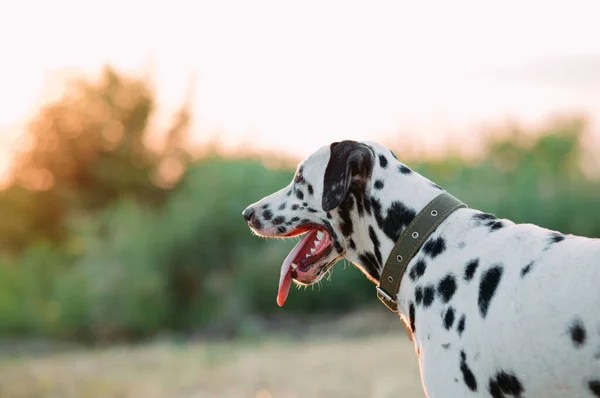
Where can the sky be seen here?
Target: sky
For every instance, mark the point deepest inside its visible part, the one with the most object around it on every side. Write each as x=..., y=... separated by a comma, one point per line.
x=292, y=76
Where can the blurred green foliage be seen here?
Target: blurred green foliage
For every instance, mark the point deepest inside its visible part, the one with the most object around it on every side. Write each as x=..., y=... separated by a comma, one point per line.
x=103, y=238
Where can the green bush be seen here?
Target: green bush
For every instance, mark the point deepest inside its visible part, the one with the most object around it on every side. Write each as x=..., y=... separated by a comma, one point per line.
x=27, y=288
x=125, y=287
x=528, y=178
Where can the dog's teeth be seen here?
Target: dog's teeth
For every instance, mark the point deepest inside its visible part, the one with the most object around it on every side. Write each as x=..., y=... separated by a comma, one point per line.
x=294, y=266
x=320, y=235
x=313, y=251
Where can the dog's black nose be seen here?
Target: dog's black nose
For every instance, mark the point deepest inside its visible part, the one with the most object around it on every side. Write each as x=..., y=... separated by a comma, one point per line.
x=248, y=213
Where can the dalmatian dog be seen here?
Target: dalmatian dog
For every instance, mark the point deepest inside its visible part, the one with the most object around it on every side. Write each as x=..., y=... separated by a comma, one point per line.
x=495, y=309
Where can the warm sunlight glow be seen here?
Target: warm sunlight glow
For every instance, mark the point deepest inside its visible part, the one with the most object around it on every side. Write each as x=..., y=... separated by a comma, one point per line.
x=169, y=172
x=263, y=394
x=284, y=77
x=40, y=180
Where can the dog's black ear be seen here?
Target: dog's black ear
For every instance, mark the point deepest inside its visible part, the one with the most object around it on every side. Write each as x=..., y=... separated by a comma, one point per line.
x=350, y=162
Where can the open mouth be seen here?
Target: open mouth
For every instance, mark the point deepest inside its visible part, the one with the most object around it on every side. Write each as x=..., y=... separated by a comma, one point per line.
x=313, y=247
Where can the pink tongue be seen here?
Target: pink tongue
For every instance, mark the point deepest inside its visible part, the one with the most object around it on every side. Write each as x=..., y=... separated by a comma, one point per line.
x=285, y=278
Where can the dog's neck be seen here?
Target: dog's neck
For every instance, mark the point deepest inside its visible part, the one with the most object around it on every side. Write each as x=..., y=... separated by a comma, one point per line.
x=395, y=196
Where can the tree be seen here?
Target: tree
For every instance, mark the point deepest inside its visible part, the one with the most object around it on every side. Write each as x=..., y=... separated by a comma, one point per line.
x=90, y=148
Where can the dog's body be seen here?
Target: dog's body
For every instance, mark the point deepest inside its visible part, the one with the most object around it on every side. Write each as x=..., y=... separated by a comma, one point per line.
x=497, y=309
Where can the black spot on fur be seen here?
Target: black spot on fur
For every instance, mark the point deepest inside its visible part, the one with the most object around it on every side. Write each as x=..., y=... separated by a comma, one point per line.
x=288, y=193
x=428, y=296
x=447, y=288
x=282, y=206
x=357, y=191
x=305, y=204
x=446, y=346
x=311, y=191
x=278, y=220
x=299, y=194
x=505, y=384
x=337, y=246
x=295, y=219
x=305, y=221
x=265, y=206
x=487, y=288
x=383, y=161
x=367, y=204
x=411, y=316
x=471, y=268
x=256, y=223
x=434, y=247
x=417, y=270
x=370, y=263
x=328, y=215
x=484, y=217
x=378, y=184
x=556, y=237
x=376, y=245
x=449, y=318
x=352, y=244
x=577, y=333
x=295, y=207
x=377, y=209
x=394, y=155
x=418, y=295
x=526, y=269
x=461, y=324
x=403, y=169
x=346, y=225
x=494, y=226
x=594, y=386
x=468, y=375
x=398, y=216
x=350, y=203
x=267, y=215
x=311, y=210
x=281, y=229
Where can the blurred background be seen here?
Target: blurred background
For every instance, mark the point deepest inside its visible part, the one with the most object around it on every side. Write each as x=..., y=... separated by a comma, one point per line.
x=133, y=134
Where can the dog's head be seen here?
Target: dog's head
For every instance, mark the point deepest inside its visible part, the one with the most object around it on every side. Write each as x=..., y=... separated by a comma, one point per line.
x=342, y=198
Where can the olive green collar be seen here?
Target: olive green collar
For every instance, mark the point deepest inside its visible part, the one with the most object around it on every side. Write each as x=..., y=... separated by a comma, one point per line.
x=409, y=244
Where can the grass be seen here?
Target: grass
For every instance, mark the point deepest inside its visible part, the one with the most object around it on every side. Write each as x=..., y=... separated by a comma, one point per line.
x=326, y=365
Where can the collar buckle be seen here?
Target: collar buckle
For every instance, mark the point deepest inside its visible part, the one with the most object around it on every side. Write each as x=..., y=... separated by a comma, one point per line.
x=388, y=301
